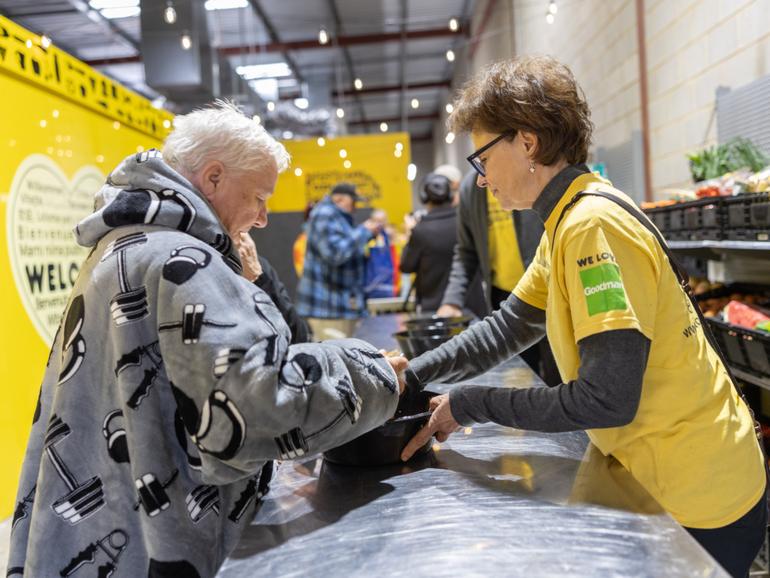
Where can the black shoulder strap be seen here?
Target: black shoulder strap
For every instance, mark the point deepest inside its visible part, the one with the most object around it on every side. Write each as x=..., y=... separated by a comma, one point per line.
x=679, y=271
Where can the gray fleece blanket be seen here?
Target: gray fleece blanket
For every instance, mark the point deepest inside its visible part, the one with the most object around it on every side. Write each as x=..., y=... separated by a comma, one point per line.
x=170, y=384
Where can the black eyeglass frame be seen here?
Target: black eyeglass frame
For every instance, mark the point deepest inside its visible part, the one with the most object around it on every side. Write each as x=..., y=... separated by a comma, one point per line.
x=473, y=159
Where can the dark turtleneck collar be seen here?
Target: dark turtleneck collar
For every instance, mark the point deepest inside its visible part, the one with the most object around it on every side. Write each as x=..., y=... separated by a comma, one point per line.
x=556, y=188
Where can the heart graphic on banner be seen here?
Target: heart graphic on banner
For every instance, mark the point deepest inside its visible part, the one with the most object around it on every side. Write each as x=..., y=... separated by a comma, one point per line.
x=43, y=208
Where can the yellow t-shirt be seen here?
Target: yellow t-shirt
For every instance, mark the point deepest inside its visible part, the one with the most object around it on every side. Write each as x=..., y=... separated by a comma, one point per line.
x=691, y=443
x=504, y=257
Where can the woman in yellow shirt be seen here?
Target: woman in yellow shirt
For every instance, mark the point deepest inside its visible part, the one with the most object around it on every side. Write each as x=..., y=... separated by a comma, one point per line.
x=639, y=373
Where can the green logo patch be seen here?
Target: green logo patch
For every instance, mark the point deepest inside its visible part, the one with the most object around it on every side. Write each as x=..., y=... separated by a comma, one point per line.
x=603, y=289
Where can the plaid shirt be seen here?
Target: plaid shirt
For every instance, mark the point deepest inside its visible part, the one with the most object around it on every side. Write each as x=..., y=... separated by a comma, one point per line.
x=332, y=284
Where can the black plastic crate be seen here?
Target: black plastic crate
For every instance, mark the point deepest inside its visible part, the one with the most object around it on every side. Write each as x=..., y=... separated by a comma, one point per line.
x=748, y=235
x=748, y=217
x=760, y=211
x=738, y=214
x=703, y=218
x=678, y=236
x=676, y=218
x=660, y=218
x=745, y=348
x=706, y=235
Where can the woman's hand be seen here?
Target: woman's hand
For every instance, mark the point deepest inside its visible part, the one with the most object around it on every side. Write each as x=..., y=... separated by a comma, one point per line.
x=249, y=258
x=441, y=423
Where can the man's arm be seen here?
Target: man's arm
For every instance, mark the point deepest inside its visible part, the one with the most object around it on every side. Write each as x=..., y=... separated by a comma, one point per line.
x=244, y=394
x=335, y=242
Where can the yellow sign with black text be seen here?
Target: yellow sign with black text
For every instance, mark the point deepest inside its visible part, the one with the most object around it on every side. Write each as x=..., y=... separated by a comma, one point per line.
x=376, y=164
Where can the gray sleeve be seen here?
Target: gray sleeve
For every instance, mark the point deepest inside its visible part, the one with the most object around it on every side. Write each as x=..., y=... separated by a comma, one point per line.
x=605, y=394
x=465, y=262
x=512, y=328
x=245, y=395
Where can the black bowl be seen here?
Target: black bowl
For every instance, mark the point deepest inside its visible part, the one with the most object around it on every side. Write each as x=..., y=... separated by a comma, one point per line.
x=434, y=321
x=383, y=445
x=412, y=347
x=416, y=343
x=435, y=331
x=404, y=344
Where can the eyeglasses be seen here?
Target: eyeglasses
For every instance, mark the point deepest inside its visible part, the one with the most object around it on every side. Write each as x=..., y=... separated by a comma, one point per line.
x=476, y=161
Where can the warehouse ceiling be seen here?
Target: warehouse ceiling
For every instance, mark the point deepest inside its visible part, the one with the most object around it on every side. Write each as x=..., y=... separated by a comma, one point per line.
x=284, y=51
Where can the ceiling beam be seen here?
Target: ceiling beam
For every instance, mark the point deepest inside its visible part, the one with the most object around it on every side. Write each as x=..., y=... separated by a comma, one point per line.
x=273, y=33
x=113, y=61
x=310, y=44
x=345, y=40
x=338, y=30
x=37, y=13
x=402, y=110
x=394, y=119
x=97, y=16
x=393, y=88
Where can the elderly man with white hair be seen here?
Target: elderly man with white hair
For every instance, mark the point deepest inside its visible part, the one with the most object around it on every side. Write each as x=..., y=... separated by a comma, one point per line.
x=171, y=382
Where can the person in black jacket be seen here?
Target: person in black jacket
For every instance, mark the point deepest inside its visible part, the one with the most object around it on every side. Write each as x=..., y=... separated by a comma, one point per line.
x=259, y=270
x=432, y=242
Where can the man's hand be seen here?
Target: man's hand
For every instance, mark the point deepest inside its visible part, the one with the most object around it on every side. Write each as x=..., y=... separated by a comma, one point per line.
x=441, y=423
x=249, y=258
x=410, y=222
x=449, y=310
x=373, y=226
x=399, y=364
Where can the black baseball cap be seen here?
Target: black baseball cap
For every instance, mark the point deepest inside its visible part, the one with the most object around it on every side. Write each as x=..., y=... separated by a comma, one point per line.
x=348, y=189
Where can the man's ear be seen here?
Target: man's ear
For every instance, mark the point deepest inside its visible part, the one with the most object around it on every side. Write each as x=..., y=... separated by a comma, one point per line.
x=210, y=177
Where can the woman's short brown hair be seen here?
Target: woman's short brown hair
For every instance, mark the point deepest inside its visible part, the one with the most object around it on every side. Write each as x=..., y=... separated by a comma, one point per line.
x=536, y=94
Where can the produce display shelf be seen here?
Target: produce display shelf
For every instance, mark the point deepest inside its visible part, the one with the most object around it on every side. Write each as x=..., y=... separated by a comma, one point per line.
x=721, y=245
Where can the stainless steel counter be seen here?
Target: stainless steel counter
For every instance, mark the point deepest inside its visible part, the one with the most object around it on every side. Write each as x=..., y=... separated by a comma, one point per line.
x=491, y=501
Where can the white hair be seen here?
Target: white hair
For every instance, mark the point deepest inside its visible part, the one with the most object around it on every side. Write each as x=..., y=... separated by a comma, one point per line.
x=451, y=172
x=223, y=133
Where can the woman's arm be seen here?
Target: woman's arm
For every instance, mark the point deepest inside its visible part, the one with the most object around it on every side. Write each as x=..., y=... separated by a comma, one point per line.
x=605, y=394
x=508, y=331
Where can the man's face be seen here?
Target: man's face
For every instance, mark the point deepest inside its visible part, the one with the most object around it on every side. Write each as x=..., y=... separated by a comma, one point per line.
x=239, y=198
x=344, y=202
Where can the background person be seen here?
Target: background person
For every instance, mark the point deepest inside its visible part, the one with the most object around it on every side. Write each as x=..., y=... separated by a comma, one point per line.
x=259, y=270
x=331, y=294
x=429, y=250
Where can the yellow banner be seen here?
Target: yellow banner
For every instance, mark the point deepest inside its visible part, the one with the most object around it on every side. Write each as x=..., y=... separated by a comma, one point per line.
x=376, y=164
x=31, y=58
x=56, y=151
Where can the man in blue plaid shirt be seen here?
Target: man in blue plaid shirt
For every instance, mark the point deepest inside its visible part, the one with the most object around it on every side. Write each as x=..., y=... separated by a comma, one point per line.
x=331, y=292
